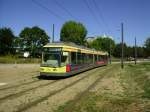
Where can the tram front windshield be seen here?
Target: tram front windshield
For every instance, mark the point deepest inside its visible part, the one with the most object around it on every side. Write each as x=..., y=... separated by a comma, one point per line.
x=54, y=57
x=51, y=57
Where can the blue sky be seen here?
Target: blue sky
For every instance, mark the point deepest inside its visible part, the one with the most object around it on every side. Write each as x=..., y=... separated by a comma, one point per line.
x=104, y=19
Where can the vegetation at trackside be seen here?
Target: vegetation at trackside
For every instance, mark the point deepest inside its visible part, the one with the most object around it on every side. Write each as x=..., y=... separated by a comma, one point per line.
x=75, y=32
x=30, y=39
x=147, y=46
x=134, y=96
x=6, y=40
x=16, y=60
x=33, y=39
x=101, y=43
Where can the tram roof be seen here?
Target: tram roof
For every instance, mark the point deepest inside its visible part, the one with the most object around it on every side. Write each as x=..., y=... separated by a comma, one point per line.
x=69, y=46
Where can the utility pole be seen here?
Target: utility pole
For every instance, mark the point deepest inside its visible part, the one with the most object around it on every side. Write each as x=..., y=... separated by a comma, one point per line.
x=135, y=52
x=122, y=53
x=53, y=33
x=110, y=51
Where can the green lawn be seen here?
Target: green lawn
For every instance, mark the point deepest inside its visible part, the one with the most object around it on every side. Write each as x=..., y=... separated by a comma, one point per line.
x=128, y=90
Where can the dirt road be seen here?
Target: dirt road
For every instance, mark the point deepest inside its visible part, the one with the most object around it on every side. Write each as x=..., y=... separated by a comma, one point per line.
x=108, y=89
x=22, y=90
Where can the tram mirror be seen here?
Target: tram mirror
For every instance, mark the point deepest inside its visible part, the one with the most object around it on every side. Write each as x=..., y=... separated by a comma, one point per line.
x=65, y=53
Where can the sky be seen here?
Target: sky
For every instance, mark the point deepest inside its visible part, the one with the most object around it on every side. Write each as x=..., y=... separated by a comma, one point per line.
x=98, y=16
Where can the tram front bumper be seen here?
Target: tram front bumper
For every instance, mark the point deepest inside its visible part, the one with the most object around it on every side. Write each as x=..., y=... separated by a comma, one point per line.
x=53, y=74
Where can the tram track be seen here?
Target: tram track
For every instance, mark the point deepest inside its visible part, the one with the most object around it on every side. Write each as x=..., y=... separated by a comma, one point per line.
x=17, y=74
x=14, y=95
x=11, y=96
x=79, y=96
x=24, y=83
x=15, y=86
x=4, y=101
x=34, y=103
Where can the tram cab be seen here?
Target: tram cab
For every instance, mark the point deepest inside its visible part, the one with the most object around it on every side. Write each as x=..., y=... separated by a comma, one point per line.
x=54, y=61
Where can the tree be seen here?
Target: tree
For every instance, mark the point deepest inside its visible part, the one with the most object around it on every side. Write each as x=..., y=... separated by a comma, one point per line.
x=103, y=43
x=6, y=40
x=140, y=52
x=129, y=51
x=72, y=31
x=147, y=47
x=32, y=39
x=16, y=45
x=118, y=50
x=16, y=42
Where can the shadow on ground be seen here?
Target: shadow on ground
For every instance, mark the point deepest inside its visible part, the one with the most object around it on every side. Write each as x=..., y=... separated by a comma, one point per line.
x=53, y=77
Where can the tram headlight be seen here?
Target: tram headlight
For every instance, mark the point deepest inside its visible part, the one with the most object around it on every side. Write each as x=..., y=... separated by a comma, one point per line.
x=41, y=69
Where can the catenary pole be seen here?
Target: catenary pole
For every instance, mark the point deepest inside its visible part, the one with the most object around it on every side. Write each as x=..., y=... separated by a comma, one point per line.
x=135, y=52
x=53, y=33
x=110, y=51
x=122, y=43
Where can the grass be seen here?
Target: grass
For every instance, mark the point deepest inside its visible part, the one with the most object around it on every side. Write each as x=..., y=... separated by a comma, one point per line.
x=14, y=59
x=135, y=81
x=141, y=75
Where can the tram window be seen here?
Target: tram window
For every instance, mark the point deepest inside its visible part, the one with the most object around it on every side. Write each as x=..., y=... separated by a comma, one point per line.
x=51, y=59
x=73, y=57
x=103, y=57
x=84, y=58
x=90, y=59
x=99, y=58
x=95, y=57
x=80, y=59
x=64, y=60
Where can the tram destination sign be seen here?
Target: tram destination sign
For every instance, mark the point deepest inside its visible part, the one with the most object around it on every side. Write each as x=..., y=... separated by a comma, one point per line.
x=52, y=49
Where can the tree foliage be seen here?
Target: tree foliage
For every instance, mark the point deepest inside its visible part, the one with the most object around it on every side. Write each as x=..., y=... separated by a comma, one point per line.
x=32, y=39
x=141, y=52
x=72, y=31
x=104, y=44
x=6, y=40
x=128, y=51
x=147, y=46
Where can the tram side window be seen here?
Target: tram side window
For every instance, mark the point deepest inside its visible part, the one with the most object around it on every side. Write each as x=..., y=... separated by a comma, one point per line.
x=73, y=57
x=99, y=58
x=80, y=58
x=84, y=58
x=106, y=57
x=90, y=58
x=103, y=57
x=64, y=60
x=95, y=57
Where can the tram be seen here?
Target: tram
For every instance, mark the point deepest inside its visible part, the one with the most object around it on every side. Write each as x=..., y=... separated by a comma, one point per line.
x=65, y=59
